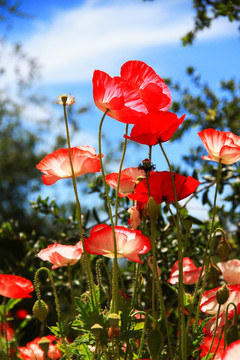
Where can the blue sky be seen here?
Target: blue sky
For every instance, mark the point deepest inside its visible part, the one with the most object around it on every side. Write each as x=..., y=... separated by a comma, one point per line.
x=71, y=39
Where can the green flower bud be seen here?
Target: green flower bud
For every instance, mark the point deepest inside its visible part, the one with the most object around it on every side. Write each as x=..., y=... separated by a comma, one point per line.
x=222, y=294
x=223, y=249
x=152, y=208
x=40, y=310
x=187, y=223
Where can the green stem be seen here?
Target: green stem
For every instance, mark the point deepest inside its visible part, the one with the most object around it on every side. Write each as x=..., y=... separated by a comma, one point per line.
x=79, y=214
x=37, y=288
x=182, y=335
x=150, y=153
x=5, y=327
x=226, y=320
x=210, y=246
x=70, y=283
x=215, y=331
x=119, y=175
x=114, y=307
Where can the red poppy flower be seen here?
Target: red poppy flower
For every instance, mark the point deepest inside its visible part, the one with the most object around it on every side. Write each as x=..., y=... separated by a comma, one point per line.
x=128, y=180
x=152, y=89
x=15, y=287
x=206, y=345
x=56, y=165
x=230, y=271
x=232, y=352
x=32, y=350
x=222, y=145
x=118, y=97
x=61, y=255
x=161, y=187
x=130, y=243
x=209, y=305
x=190, y=272
x=155, y=127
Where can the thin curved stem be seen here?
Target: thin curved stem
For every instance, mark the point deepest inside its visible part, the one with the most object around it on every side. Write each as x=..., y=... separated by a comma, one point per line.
x=119, y=175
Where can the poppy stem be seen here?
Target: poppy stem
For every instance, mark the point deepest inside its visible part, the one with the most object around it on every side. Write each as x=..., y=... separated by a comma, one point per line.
x=5, y=327
x=215, y=331
x=79, y=214
x=69, y=270
x=114, y=305
x=119, y=175
x=226, y=320
x=210, y=245
x=181, y=292
x=37, y=287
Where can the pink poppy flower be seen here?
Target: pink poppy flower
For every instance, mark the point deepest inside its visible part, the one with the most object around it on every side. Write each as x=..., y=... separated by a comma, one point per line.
x=206, y=345
x=152, y=89
x=118, y=97
x=135, y=219
x=15, y=287
x=230, y=271
x=130, y=243
x=232, y=352
x=190, y=272
x=61, y=255
x=56, y=165
x=32, y=350
x=128, y=180
x=209, y=305
x=222, y=145
x=161, y=187
x=155, y=127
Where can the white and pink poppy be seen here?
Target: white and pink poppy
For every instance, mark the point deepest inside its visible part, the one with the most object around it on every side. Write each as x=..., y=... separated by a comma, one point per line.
x=230, y=271
x=232, y=352
x=221, y=145
x=209, y=305
x=61, y=255
x=190, y=272
x=128, y=180
x=56, y=166
x=130, y=243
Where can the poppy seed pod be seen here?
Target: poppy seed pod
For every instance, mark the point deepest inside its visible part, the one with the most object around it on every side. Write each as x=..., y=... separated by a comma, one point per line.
x=97, y=330
x=113, y=319
x=44, y=345
x=222, y=294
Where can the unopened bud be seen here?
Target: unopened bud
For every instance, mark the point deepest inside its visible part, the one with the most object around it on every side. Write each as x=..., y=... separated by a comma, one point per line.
x=113, y=319
x=222, y=294
x=223, y=249
x=152, y=208
x=97, y=330
x=187, y=223
x=40, y=310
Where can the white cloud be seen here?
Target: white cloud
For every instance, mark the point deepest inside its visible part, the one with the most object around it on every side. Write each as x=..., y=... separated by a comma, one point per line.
x=102, y=35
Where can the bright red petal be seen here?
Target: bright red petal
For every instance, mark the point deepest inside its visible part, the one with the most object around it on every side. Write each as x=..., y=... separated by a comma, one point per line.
x=151, y=88
x=15, y=287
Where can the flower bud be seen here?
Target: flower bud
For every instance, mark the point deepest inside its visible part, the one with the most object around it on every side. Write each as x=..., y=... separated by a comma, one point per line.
x=223, y=249
x=187, y=223
x=44, y=345
x=232, y=334
x=40, y=310
x=97, y=330
x=152, y=208
x=113, y=319
x=222, y=294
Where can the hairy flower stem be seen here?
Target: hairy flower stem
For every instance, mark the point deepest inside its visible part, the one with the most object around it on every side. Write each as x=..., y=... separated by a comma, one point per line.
x=69, y=270
x=119, y=175
x=37, y=288
x=79, y=214
x=226, y=321
x=182, y=335
x=210, y=246
x=114, y=305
